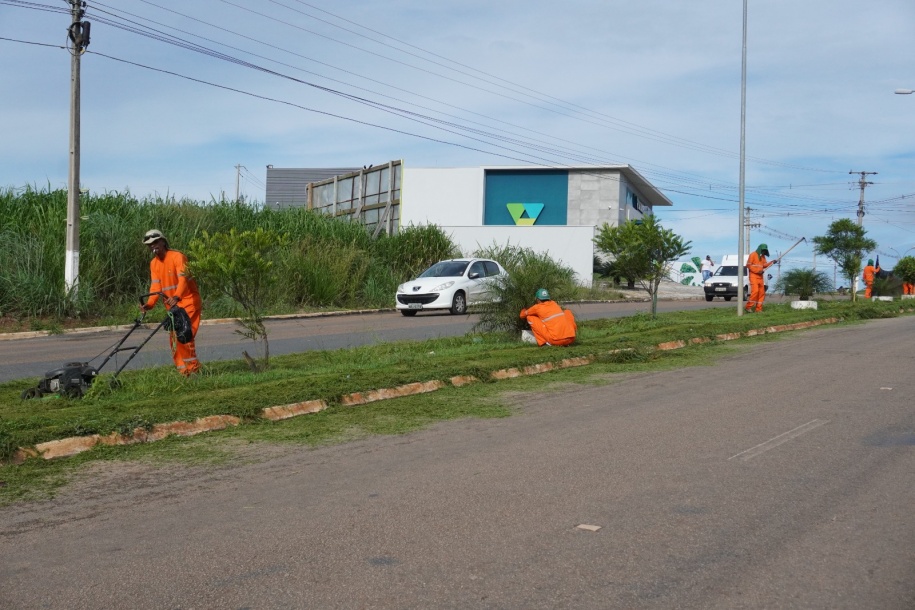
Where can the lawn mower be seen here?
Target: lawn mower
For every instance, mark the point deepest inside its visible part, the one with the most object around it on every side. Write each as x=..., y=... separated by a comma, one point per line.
x=74, y=378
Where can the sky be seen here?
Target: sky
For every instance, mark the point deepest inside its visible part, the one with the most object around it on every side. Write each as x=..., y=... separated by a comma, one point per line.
x=189, y=99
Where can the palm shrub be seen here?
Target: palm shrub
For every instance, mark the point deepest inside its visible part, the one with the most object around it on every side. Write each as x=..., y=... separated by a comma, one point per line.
x=804, y=283
x=527, y=271
x=886, y=286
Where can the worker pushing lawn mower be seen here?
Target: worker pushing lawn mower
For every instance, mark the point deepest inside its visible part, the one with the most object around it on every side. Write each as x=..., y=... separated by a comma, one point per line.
x=73, y=379
x=169, y=277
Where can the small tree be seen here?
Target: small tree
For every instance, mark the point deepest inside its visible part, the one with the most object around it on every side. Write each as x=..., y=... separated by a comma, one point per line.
x=845, y=243
x=241, y=266
x=642, y=250
x=905, y=269
x=803, y=282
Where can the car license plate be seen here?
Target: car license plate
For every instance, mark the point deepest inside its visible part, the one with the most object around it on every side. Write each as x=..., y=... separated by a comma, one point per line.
x=415, y=306
x=720, y=289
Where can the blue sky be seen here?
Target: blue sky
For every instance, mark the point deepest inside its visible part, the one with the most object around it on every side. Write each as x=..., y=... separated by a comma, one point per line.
x=654, y=83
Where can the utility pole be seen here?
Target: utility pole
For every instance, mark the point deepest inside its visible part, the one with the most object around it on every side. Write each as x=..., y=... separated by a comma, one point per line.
x=78, y=37
x=747, y=226
x=238, y=169
x=862, y=184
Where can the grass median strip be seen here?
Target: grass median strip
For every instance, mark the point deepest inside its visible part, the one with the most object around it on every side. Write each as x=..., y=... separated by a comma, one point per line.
x=299, y=383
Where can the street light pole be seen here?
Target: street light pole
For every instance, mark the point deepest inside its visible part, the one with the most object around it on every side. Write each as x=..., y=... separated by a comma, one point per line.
x=904, y=91
x=743, y=157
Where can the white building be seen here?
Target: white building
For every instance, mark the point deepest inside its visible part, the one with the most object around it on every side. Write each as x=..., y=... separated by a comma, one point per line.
x=552, y=210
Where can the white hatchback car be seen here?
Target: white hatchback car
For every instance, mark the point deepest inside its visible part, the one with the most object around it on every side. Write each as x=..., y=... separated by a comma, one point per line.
x=452, y=285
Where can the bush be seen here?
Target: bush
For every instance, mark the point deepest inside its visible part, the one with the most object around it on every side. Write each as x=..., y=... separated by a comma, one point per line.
x=527, y=271
x=803, y=282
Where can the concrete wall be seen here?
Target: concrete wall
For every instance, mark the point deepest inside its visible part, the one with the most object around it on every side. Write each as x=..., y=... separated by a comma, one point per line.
x=594, y=198
x=572, y=246
x=442, y=196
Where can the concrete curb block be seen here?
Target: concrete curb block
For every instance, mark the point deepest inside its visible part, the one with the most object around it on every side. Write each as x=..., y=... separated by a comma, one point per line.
x=77, y=444
x=293, y=410
x=74, y=445
x=361, y=398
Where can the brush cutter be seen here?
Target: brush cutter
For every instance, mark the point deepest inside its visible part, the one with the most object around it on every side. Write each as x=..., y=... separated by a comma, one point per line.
x=74, y=378
x=791, y=248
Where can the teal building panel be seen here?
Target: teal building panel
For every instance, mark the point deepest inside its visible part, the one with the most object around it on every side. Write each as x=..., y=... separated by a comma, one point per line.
x=526, y=197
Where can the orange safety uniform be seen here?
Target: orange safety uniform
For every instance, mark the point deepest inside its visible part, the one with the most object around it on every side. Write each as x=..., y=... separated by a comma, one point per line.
x=551, y=324
x=870, y=272
x=169, y=276
x=908, y=288
x=756, y=266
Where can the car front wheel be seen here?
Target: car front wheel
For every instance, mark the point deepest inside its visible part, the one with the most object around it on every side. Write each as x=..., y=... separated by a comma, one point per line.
x=709, y=297
x=459, y=303
x=408, y=312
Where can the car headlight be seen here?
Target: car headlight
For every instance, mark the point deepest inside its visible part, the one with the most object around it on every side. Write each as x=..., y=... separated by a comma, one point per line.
x=444, y=286
x=400, y=288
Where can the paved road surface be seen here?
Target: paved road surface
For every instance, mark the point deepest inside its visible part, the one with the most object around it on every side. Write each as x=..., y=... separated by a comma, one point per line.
x=31, y=358
x=781, y=477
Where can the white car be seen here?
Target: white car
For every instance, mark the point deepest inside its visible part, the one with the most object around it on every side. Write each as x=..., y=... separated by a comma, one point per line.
x=452, y=285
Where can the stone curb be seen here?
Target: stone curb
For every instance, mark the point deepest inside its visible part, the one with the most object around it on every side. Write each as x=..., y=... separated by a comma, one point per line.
x=74, y=445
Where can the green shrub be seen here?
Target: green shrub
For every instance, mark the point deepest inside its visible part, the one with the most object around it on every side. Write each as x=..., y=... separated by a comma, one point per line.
x=803, y=282
x=527, y=271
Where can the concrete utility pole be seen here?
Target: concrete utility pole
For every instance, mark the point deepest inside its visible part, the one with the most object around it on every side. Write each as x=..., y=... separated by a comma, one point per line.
x=747, y=226
x=78, y=36
x=238, y=169
x=862, y=184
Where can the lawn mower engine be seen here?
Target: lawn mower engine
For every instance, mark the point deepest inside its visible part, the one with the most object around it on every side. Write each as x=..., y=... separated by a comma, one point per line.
x=71, y=380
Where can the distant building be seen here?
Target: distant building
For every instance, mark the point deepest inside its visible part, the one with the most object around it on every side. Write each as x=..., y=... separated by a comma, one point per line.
x=552, y=210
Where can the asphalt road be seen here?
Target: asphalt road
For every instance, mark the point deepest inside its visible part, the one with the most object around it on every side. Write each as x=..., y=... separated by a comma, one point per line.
x=32, y=358
x=781, y=477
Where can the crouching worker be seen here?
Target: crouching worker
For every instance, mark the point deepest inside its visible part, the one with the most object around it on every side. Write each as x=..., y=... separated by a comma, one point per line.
x=168, y=274
x=550, y=324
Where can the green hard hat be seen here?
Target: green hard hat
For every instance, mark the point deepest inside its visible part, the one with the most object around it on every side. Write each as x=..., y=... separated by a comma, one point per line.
x=870, y=261
x=761, y=248
x=543, y=295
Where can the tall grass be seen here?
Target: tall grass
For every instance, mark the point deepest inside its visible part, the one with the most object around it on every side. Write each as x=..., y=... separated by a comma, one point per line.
x=332, y=262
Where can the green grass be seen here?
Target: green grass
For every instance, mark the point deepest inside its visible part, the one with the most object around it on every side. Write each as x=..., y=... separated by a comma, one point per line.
x=159, y=395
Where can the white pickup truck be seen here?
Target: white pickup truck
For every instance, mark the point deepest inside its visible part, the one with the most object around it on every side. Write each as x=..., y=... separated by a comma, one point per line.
x=723, y=282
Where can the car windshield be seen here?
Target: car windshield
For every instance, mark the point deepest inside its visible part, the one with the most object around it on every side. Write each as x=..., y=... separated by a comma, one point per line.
x=729, y=270
x=446, y=269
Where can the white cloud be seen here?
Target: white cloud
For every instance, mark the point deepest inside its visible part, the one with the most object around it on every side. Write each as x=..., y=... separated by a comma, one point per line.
x=819, y=99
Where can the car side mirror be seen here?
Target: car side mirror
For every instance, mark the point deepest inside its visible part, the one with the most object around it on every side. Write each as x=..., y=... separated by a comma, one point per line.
x=473, y=275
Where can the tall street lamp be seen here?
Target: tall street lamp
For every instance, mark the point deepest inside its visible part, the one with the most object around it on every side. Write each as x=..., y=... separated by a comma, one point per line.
x=905, y=91
x=743, y=157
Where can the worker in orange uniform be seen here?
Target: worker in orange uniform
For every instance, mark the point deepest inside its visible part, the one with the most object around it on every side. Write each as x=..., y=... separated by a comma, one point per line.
x=870, y=272
x=168, y=274
x=908, y=288
x=550, y=324
x=756, y=266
